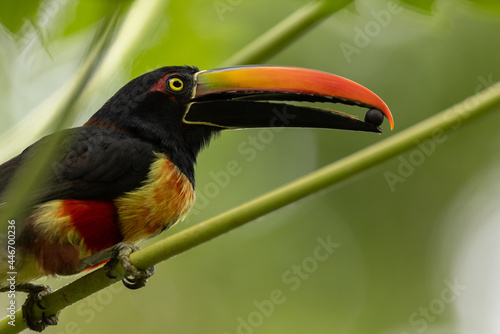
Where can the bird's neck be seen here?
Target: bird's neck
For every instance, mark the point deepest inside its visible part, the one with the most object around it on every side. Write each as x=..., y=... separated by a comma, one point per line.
x=159, y=122
x=182, y=149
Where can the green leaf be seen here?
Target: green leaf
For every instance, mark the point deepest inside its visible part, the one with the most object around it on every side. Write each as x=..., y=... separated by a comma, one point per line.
x=13, y=16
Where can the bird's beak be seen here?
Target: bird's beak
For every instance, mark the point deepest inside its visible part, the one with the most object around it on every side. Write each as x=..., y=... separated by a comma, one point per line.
x=234, y=98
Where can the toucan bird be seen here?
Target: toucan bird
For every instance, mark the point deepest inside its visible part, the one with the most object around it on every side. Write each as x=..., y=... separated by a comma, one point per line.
x=128, y=173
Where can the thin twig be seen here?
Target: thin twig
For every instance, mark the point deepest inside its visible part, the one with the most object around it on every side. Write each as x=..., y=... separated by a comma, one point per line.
x=285, y=32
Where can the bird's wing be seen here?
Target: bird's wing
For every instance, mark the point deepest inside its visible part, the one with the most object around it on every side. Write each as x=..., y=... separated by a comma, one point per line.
x=7, y=171
x=90, y=163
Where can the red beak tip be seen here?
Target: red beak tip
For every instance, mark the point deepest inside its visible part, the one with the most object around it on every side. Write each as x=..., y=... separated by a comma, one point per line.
x=391, y=122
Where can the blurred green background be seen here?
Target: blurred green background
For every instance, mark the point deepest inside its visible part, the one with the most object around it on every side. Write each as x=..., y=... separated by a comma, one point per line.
x=415, y=239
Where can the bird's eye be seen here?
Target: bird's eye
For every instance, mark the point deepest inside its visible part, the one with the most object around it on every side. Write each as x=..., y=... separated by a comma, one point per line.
x=175, y=84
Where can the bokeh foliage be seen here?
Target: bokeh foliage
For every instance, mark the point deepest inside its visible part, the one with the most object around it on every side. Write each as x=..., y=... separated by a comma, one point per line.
x=398, y=241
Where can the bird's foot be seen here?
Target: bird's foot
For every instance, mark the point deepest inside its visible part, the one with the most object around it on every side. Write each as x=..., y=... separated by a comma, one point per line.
x=134, y=278
x=35, y=294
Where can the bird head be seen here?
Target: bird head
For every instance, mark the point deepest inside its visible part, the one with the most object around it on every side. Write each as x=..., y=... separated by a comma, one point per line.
x=181, y=107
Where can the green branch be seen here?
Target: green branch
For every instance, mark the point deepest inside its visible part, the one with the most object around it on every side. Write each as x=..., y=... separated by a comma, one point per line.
x=450, y=119
x=142, y=12
x=285, y=33
x=261, y=49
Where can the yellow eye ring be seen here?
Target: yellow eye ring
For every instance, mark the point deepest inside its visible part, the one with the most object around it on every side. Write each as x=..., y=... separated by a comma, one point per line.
x=175, y=84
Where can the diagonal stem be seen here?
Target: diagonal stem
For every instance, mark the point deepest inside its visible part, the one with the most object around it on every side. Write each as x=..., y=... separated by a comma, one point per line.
x=450, y=119
x=285, y=32
x=264, y=47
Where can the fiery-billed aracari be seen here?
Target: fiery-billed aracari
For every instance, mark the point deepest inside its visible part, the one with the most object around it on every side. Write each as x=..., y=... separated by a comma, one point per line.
x=128, y=173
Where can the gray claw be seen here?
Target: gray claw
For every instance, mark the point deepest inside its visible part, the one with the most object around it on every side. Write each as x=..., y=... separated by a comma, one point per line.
x=35, y=294
x=134, y=278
